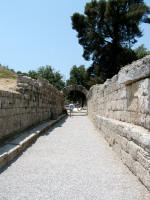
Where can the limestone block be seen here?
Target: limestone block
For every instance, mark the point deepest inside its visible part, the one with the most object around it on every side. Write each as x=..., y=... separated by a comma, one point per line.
x=127, y=160
x=123, y=93
x=144, y=104
x=24, y=79
x=147, y=122
x=137, y=70
x=117, y=149
x=13, y=152
x=144, y=87
x=123, y=143
x=132, y=149
x=143, y=160
x=143, y=174
x=144, y=141
x=3, y=159
x=133, y=105
x=135, y=118
x=127, y=117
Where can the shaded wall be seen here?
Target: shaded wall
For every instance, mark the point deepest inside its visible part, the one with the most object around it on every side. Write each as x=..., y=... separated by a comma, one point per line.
x=34, y=102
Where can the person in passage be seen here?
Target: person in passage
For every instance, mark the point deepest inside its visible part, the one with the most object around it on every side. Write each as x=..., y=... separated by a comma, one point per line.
x=71, y=107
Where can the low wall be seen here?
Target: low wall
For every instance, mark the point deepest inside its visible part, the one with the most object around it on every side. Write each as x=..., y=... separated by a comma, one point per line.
x=120, y=109
x=34, y=102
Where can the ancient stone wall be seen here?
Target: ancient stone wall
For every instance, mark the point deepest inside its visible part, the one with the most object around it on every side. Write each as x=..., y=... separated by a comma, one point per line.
x=120, y=109
x=34, y=102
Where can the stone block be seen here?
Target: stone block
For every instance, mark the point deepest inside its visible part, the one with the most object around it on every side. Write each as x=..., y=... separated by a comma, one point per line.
x=143, y=160
x=132, y=149
x=128, y=161
x=3, y=159
x=137, y=70
x=142, y=174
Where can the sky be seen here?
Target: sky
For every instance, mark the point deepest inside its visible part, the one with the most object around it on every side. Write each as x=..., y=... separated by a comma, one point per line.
x=36, y=33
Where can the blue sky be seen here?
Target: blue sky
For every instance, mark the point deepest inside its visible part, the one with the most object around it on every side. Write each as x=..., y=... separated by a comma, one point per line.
x=35, y=33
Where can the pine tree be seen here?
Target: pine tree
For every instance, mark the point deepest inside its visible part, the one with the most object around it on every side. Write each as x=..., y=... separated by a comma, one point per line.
x=107, y=30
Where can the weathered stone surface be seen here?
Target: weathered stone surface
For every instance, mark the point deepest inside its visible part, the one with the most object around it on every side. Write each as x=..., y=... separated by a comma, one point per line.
x=3, y=159
x=128, y=160
x=143, y=160
x=137, y=70
x=70, y=88
x=36, y=101
x=128, y=103
x=132, y=149
x=143, y=174
x=120, y=109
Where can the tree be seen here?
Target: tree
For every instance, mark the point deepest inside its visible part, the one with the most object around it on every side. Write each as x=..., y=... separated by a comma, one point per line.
x=78, y=76
x=107, y=31
x=48, y=73
x=33, y=74
x=141, y=51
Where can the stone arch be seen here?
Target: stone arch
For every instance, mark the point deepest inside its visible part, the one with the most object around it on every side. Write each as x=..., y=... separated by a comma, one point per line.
x=66, y=90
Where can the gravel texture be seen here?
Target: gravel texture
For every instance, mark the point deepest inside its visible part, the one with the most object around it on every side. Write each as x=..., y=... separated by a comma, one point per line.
x=71, y=161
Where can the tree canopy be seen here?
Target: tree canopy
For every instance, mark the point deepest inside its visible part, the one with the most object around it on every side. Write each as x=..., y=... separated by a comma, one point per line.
x=107, y=30
x=48, y=73
x=141, y=51
x=78, y=76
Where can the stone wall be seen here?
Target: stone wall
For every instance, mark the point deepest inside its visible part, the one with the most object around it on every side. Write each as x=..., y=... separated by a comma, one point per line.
x=33, y=102
x=120, y=109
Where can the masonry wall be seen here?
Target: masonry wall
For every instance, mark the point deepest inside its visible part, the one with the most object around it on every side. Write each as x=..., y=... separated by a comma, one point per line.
x=33, y=102
x=120, y=109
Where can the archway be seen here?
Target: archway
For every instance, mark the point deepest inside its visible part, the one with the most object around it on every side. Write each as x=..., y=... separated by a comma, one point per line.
x=66, y=90
x=75, y=90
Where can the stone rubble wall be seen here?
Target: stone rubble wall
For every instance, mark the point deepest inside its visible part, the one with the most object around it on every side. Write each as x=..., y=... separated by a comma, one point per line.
x=34, y=102
x=120, y=109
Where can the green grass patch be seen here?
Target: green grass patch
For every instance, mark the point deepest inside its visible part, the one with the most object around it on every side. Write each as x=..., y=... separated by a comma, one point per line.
x=7, y=73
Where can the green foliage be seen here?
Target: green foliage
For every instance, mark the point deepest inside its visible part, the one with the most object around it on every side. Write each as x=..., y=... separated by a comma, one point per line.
x=22, y=73
x=141, y=51
x=80, y=76
x=48, y=73
x=5, y=72
x=33, y=74
x=77, y=76
x=107, y=31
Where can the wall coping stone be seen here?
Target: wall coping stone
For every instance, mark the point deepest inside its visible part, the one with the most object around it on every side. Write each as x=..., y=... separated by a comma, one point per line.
x=139, y=69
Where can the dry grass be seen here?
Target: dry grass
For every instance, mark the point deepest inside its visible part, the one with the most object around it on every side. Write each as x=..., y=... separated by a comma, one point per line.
x=5, y=73
x=8, y=84
x=7, y=79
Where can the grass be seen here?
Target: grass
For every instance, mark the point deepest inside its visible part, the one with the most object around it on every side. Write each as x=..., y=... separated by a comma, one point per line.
x=6, y=73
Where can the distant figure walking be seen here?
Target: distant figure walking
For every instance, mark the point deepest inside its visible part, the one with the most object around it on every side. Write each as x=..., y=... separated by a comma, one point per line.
x=71, y=107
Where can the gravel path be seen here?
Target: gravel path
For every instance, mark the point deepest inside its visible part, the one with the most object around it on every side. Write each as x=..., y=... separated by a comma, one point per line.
x=70, y=162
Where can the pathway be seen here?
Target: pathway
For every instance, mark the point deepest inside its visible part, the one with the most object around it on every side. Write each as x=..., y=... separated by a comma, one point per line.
x=70, y=162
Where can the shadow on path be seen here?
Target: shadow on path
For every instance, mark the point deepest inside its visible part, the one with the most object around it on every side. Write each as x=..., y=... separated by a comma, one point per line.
x=46, y=132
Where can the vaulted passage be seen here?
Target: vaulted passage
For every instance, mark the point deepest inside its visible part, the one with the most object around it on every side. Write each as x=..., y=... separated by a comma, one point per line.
x=75, y=93
x=70, y=162
x=79, y=88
